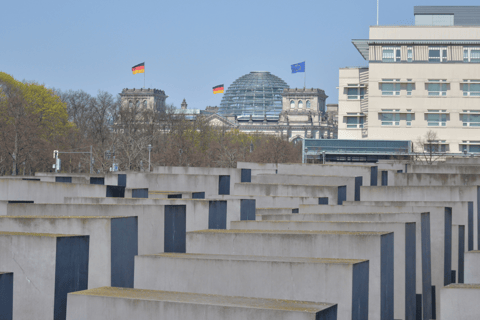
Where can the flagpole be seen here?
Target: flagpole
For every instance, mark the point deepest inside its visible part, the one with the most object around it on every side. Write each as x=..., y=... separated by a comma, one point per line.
x=305, y=77
x=144, y=71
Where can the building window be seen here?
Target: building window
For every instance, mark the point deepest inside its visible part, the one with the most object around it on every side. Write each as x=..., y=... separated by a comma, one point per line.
x=471, y=54
x=391, y=54
x=409, y=87
x=390, y=87
x=130, y=104
x=355, y=93
x=409, y=54
x=300, y=104
x=436, y=118
x=308, y=104
x=355, y=122
x=471, y=118
x=437, y=88
x=470, y=146
x=436, y=146
x=437, y=54
x=471, y=88
x=390, y=117
x=292, y=104
x=409, y=118
x=145, y=104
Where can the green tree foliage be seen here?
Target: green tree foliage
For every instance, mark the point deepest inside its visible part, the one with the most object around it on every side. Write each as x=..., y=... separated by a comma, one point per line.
x=32, y=117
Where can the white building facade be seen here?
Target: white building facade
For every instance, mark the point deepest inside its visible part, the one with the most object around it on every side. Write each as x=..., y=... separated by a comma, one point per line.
x=419, y=78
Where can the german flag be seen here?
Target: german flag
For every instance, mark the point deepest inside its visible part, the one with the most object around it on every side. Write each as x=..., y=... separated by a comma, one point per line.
x=218, y=89
x=139, y=68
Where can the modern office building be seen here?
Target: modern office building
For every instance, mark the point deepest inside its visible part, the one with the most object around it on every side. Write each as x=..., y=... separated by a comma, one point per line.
x=419, y=78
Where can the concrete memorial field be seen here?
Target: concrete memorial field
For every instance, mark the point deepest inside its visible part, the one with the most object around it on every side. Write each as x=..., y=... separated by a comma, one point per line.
x=391, y=240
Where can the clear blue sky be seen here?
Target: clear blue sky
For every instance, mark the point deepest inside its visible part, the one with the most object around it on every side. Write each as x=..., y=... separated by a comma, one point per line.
x=188, y=46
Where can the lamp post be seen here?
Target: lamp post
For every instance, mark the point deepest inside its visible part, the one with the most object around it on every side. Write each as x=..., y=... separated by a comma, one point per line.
x=149, y=150
x=306, y=160
x=323, y=153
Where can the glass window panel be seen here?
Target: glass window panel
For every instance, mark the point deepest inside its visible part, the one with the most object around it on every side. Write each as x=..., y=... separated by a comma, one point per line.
x=474, y=148
x=292, y=104
x=475, y=55
x=300, y=104
x=388, y=55
x=308, y=104
x=351, y=120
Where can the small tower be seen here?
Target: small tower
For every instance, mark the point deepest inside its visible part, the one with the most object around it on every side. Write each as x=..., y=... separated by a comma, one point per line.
x=184, y=105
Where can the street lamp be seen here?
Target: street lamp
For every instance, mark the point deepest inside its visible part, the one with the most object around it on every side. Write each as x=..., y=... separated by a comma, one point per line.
x=323, y=153
x=306, y=150
x=149, y=150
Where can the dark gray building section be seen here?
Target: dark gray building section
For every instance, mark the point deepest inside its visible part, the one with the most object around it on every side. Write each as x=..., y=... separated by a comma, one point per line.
x=463, y=15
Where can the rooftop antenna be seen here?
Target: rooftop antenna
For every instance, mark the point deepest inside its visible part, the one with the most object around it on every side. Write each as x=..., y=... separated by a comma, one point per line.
x=377, y=12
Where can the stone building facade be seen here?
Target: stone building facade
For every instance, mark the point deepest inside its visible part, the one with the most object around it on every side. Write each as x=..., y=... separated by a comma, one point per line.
x=147, y=99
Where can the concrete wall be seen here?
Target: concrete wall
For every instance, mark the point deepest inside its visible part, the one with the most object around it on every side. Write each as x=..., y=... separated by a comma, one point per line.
x=105, y=233
x=404, y=248
x=460, y=301
x=376, y=247
x=472, y=263
x=127, y=304
x=47, y=267
x=46, y=192
x=308, y=180
x=303, y=279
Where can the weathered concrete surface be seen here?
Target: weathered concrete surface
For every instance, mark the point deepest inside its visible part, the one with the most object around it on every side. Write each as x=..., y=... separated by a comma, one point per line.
x=460, y=301
x=105, y=233
x=425, y=256
x=150, y=218
x=126, y=304
x=261, y=201
x=377, y=247
x=46, y=267
x=328, y=169
x=260, y=277
x=308, y=180
x=46, y=192
x=404, y=249
x=472, y=267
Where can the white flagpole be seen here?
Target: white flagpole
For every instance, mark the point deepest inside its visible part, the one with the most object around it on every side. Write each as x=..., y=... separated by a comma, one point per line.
x=305, y=76
x=144, y=71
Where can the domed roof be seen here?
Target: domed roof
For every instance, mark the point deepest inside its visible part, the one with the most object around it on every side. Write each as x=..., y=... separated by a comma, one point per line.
x=256, y=93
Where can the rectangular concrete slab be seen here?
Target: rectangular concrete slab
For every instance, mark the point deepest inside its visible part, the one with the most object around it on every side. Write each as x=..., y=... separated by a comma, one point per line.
x=46, y=267
x=127, y=304
x=472, y=267
x=460, y=301
x=260, y=277
x=377, y=247
x=113, y=243
x=404, y=248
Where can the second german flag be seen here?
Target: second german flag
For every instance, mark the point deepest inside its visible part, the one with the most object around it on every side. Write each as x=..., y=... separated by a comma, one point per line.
x=218, y=89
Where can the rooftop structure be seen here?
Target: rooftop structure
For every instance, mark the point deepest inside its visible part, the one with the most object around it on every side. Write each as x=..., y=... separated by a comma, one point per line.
x=258, y=93
x=447, y=15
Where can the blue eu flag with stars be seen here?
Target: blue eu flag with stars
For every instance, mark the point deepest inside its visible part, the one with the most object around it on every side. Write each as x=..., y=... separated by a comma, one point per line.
x=298, y=67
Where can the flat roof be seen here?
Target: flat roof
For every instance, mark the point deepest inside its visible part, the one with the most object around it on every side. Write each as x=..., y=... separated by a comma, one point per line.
x=206, y=299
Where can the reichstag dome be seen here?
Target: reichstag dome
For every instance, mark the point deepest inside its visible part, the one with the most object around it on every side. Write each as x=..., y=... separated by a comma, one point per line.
x=258, y=93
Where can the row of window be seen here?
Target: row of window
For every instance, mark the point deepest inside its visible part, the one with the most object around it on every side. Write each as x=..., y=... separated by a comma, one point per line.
x=437, y=146
x=435, y=54
x=300, y=104
x=435, y=88
x=434, y=118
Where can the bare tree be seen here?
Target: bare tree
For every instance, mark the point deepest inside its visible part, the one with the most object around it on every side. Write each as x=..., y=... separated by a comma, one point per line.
x=428, y=149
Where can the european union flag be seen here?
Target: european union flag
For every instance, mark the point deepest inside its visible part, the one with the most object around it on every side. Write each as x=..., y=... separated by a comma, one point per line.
x=298, y=67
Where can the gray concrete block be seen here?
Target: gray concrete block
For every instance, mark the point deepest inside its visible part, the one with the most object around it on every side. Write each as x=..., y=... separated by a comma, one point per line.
x=126, y=304
x=404, y=248
x=46, y=268
x=460, y=301
x=113, y=243
x=261, y=277
x=472, y=267
x=377, y=247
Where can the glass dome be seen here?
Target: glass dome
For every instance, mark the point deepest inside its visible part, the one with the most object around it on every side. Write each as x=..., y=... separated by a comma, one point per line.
x=258, y=93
